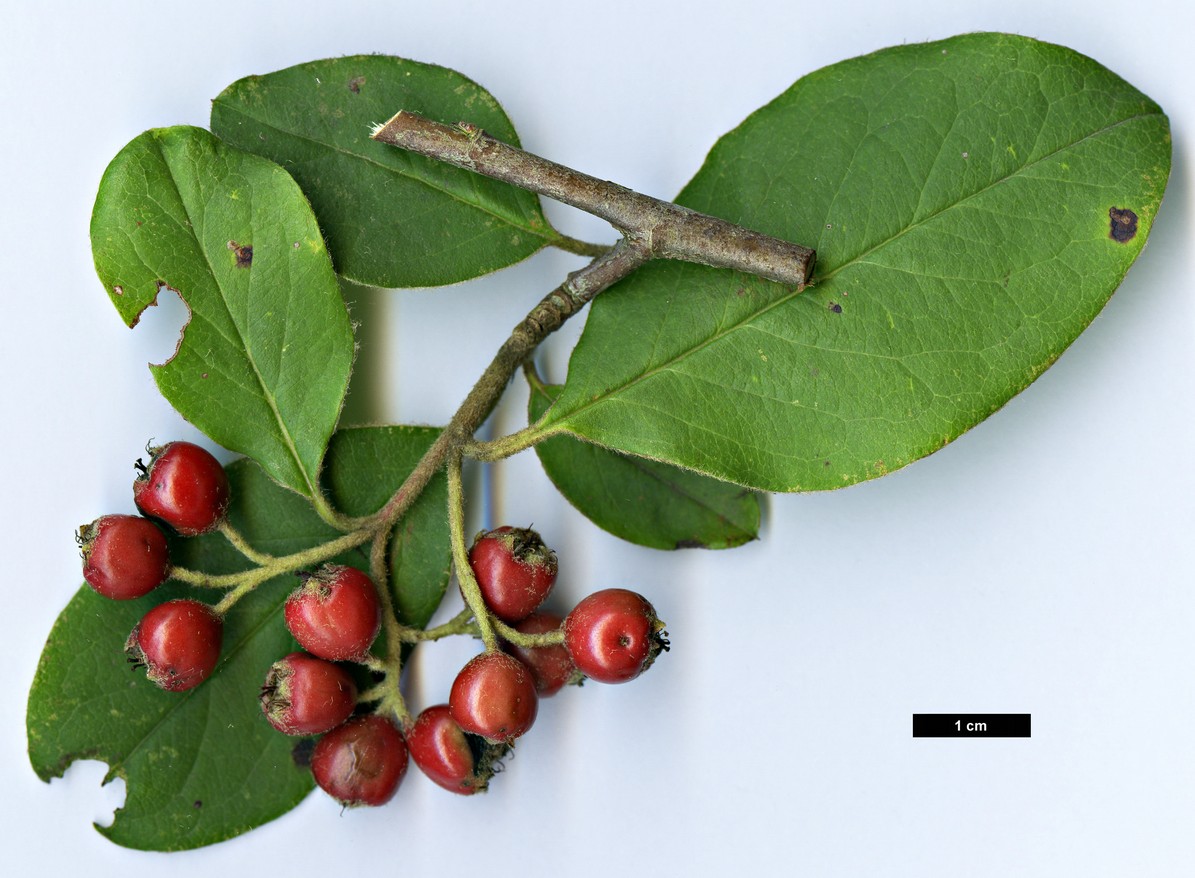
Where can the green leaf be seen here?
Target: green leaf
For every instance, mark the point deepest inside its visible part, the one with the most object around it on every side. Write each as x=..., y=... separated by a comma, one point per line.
x=644, y=502
x=965, y=198
x=392, y=218
x=264, y=361
x=420, y=553
x=204, y=766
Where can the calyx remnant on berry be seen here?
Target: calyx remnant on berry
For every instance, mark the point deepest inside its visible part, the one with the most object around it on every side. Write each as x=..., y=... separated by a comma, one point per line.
x=335, y=614
x=514, y=570
x=452, y=758
x=614, y=635
x=184, y=486
x=178, y=643
x=305, y=695
x=124, y=556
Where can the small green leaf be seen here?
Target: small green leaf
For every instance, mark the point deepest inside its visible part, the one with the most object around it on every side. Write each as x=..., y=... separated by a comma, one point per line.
x=264, y=360
x=974, y=203
x=644, y=502
x=204, y=766
x=366, y=466
x=392, y=218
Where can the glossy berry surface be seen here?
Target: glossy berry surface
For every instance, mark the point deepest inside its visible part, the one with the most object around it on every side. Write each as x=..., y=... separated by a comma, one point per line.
x=551, y=666
x=335, y=614
x=184, y=486
x=178, y=642
x=613, y=635
x=514, y=570
x=124, y=556
x=456, y=761
x=494, y=696
x=305, y=695
x=361, y=762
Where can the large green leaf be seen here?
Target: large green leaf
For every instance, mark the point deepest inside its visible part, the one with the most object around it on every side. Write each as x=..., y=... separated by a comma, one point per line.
x=203, y=766
x=392, y=218
x=644, y=502
x=264, y=360
x=974, y=203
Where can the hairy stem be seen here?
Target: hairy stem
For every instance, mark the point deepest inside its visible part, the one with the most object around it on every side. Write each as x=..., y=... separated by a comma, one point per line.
x=244, y=582
x=460, y=556
x=518, y=638
x=461, y=623
x=239, y=543
x=669, y=230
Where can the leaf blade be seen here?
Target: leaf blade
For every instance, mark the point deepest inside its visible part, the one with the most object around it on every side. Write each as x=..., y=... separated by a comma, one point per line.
x=935, y=302
x=204, y=766
x=392, y=219
x=641, y=501
x=263, y=363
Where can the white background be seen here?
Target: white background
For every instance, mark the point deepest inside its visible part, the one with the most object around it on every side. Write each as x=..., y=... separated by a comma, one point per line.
x=1041, y=564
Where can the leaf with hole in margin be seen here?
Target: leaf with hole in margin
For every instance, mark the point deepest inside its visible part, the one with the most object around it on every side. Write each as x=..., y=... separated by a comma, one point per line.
x=644, y=502
x=973, y=202
x=263, y=363
x=204, y=766
x=392, y=218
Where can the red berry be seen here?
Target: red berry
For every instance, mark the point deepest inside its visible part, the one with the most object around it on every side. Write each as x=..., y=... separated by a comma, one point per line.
x=494, y=696
x=178, y=642
x=305, y=695
x=335, y=614
x=613, y=635
x=514, y=569
x=124, y=556
x=551, y=666
x=183, y=486
x=459, y=762
x=361, y=762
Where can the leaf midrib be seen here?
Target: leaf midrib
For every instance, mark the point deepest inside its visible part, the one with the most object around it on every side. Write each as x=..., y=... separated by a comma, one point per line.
x=266, y=395
x=560, y=426
x=673, y=488
x=543, y=234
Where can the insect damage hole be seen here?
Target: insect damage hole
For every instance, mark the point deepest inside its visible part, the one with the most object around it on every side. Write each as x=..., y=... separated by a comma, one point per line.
x=1123, y=224
x=76, y=786
x=161, y=326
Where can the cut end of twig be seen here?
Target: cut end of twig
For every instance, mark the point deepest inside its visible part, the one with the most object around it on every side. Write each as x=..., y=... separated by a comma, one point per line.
x=376, y=131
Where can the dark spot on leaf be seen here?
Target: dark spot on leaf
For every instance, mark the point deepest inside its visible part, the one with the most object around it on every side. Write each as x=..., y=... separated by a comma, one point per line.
x=198, y=803
x=301, y=752
x=355, y=84
x=835, y=307
x=244, y=254
x=1123, y=225
x=690, y=544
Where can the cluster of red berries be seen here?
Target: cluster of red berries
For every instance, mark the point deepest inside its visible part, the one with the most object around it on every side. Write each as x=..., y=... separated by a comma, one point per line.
x=126, y=556
x=611, y=636
x=335, y=615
